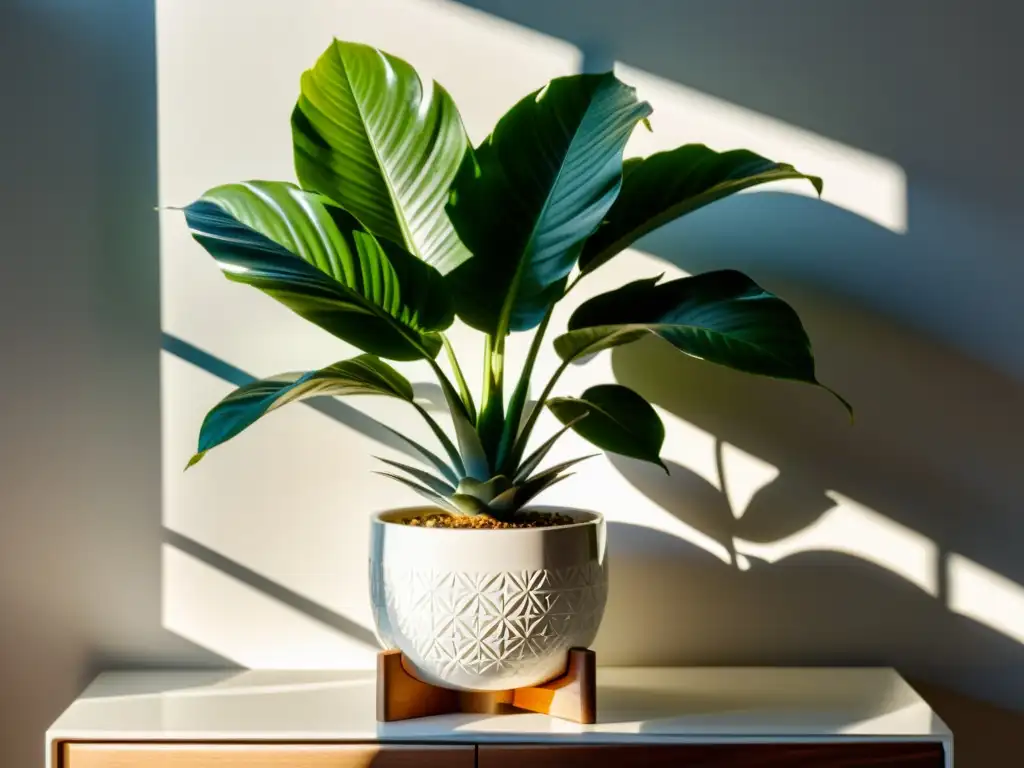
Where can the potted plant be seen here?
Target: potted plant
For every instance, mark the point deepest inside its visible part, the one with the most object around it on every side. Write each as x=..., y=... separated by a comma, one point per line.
x=398, y=226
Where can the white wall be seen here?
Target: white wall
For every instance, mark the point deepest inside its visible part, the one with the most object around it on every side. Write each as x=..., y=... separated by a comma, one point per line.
x=79, y=330
x=783, y=535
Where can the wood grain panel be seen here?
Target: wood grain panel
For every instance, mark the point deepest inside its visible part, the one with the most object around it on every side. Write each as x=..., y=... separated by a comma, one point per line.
x=78, y=755
x=871, y=755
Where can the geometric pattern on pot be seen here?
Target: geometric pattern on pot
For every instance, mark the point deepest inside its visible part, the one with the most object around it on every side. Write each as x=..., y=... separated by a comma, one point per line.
x=494, y=630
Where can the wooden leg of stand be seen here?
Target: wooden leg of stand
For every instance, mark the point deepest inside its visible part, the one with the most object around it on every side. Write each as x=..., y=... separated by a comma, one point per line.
x=400, y=696
x=573, y=696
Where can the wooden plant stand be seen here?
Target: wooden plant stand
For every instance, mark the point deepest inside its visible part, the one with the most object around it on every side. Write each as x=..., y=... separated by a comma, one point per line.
x=572, y=696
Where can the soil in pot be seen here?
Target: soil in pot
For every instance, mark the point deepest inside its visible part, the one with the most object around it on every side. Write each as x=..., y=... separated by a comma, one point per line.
x=521, y=520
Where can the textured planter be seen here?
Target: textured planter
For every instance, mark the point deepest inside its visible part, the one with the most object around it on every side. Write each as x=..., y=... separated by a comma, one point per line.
x=487, y=609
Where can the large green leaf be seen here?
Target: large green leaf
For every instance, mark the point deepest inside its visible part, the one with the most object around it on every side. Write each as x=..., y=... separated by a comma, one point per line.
x=318, y=260
x=617, y=420
x=372, y=136
x=671, y=184
x=362, y=375
x=724, y=317
x=529, y=196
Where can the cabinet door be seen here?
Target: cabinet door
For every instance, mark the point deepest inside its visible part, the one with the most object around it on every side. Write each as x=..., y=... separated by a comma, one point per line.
x=265, y=756
x=880, y=755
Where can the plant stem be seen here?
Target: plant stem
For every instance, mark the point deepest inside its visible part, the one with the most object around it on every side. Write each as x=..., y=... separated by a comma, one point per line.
x=572, y=285
x=492, y=408
x=488, y=385
x=464, y=392
x=518, y=401
x=524, y=435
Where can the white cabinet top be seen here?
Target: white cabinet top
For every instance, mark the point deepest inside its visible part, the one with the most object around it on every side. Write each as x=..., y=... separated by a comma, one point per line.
x=636, y=705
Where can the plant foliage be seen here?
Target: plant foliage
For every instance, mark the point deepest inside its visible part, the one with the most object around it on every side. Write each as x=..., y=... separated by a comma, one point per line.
x=398, y=225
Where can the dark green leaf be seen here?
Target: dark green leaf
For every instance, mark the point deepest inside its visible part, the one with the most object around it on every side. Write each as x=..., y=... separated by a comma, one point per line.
x=442, y=437
x=557, y=469
x=529, y=196
x=435, y=484
x=723, y=317
x=473, y=456
x=372, y=136
x=617, y=420
x=519, y=495
x=532, y=461
x=320, y=262
x=469, y=505
x=671, y=184
x=362, y=375
x=442, y=466
x=429, y=495
x=484, y=490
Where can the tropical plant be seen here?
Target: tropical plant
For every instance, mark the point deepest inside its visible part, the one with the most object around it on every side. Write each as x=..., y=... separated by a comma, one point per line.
x=398, y=225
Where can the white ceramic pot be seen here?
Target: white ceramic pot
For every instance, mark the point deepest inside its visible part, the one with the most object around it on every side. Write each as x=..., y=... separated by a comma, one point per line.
x=492, y=609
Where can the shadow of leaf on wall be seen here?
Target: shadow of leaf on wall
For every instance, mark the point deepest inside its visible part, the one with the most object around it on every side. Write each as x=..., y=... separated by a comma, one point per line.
x=781, y=508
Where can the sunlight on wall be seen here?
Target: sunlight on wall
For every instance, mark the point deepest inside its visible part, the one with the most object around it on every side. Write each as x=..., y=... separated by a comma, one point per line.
x=690, y=447
x=858, y=181
x=694, y=448
x=743, y=475
x=283, y=499
x=985, y=596
x=203, y=604
x=856, y=530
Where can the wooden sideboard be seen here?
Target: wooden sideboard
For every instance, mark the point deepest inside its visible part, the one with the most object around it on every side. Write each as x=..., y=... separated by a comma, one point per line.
x=653, y=717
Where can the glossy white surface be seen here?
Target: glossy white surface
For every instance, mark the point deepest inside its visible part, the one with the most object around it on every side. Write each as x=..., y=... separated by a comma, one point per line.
x=635, y=705
x=487, y=610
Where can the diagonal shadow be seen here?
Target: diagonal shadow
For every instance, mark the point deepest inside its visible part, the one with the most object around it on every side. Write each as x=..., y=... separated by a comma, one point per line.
x=328, y=406
x=271, y=588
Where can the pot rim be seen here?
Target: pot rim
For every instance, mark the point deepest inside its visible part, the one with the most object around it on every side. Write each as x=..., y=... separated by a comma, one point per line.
x=593, y=519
